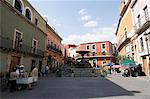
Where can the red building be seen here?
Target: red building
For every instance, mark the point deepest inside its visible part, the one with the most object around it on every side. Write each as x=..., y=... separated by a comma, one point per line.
x=100, y=53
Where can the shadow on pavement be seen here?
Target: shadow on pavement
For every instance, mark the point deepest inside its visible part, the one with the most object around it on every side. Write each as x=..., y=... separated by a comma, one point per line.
x=71, y=88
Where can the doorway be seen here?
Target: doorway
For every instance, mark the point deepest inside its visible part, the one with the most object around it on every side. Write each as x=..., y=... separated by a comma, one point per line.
x=40, y=66
x=15, y=60
x=144, y=64
x=33, y=64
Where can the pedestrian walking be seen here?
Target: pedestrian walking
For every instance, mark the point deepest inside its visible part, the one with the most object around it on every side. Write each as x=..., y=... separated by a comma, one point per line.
x=34, y=74
x=46, y=70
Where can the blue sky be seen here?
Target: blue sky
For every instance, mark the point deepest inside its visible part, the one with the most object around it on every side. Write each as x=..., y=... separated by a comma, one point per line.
x=78, y=21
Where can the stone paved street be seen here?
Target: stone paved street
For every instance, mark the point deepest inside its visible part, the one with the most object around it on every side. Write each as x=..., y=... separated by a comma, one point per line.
x=112, y=87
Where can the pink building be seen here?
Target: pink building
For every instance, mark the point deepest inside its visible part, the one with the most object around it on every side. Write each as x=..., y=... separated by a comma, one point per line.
x=100, y=53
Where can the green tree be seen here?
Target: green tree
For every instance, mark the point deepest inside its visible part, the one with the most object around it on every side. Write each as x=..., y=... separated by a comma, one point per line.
x=120, y=58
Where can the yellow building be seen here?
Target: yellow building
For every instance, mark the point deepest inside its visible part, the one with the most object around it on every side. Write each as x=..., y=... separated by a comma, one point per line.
x=125, y=28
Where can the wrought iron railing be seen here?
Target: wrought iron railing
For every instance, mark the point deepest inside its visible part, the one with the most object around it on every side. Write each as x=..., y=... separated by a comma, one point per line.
x=122, y=39
x=7, y=44
x=142, y=21
x=101, y=53
x=52, y=48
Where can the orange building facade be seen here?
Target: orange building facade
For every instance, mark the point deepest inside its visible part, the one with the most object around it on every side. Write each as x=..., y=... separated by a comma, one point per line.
x=54, y=54
x=100, y=53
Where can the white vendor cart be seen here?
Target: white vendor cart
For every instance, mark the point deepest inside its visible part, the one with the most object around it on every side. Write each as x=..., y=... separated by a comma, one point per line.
x=24, y=82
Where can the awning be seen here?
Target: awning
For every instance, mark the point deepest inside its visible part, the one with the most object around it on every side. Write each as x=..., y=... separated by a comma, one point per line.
x=128, y=63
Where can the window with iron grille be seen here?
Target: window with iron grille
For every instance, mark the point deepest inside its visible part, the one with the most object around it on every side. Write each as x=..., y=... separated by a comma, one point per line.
x=34, y=45
x=142, y=44
x=146, y=13
x=139, y=20
x=18, y=40
x=103, y=46
x=93, y=46
x=87, y=47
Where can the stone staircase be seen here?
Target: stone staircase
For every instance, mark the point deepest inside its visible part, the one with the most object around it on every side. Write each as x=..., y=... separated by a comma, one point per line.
x=83, y=72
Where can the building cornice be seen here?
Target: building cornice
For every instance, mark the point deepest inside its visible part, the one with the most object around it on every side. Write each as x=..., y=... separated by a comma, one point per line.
x=96, y=42
x=133, y=3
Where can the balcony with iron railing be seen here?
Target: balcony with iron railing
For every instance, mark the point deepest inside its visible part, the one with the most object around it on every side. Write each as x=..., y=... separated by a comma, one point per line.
x=142, y=24
x=100, y=54
x=53, y=48
x=126, y=37
x=6, y=44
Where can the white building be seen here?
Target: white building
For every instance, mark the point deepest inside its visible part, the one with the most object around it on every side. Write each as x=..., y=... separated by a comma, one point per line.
x=141, y=17
x=72, y=52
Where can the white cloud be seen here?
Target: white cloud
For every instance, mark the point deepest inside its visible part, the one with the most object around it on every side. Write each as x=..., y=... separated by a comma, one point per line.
x=82, y=12
x=54, y=20
x=104, y=34
x=104, y=30
x=58, y=24
x=86, y=18
x=91, y=24
x=88, y=22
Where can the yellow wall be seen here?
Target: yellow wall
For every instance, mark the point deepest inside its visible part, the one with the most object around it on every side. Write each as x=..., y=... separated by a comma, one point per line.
x=123, y=51
x=126, y=22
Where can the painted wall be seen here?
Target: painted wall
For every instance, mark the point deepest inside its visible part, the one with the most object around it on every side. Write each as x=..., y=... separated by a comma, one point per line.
x=11, y=21
x=99, y=50
x=15, y=21
x=3, y=62
x=35, y=14
x=138, y=9
x=100, y=57
x=54, y=38
x=125, y=23
x=72, y=52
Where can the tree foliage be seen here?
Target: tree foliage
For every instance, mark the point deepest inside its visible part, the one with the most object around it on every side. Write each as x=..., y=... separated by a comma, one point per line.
x=120, y=58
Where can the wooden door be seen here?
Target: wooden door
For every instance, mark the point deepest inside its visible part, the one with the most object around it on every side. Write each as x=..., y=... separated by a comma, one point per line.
x=40, y=66
x=15, y=60
x=144, y=64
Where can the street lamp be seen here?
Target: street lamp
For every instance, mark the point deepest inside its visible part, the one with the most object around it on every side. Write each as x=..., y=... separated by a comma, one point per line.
x=146, y=39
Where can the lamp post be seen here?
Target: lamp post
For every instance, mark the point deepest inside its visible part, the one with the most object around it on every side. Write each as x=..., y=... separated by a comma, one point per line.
x=146, y=39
